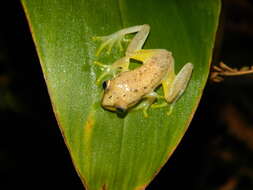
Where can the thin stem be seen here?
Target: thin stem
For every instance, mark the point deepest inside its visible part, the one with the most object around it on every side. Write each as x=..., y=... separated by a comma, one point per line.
x=219, y=72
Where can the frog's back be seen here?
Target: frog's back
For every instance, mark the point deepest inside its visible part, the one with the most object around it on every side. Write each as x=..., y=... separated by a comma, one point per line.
x=131, y=86
x=147, y=77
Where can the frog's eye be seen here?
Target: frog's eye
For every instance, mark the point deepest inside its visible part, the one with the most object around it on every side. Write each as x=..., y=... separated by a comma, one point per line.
x=104, y=85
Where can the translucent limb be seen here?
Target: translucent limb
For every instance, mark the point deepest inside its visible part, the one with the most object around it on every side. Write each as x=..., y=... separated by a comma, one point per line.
x=174, y=87
x=161, y=105
x=170, y=109
x=108, y=42
x=146, y=103
x=164, y=104
x=117, y=38
x=106, y=69
x=118, y=66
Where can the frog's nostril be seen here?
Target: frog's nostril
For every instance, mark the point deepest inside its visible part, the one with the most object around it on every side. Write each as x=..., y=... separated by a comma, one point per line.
x=120, y=110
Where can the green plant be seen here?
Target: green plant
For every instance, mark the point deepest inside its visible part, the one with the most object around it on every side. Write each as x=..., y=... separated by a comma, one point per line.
x=110, y=152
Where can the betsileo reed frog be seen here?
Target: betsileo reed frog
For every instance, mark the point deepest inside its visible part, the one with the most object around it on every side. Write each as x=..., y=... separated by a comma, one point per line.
x=128, y=87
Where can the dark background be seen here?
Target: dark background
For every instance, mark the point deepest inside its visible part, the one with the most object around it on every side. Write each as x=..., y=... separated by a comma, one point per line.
x=215, y=153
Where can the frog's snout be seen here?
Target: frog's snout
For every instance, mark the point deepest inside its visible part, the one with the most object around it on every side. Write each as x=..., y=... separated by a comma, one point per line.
x=120, y=109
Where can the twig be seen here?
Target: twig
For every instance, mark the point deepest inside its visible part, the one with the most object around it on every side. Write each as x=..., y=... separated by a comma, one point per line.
x=219, y=72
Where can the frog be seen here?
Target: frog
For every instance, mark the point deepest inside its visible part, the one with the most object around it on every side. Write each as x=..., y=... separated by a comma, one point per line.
x=135, y=89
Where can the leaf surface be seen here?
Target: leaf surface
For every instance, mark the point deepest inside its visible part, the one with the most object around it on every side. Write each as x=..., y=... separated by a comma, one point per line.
x=108, y=151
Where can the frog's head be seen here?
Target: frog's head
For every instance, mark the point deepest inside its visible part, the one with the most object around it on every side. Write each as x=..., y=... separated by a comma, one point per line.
x=113, y=97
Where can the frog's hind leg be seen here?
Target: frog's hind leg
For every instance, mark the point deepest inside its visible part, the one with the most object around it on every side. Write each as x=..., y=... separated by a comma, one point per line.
x=149, y=99
x=117, y=38
x=175, y=85
x=174, y=88
x=139, y=39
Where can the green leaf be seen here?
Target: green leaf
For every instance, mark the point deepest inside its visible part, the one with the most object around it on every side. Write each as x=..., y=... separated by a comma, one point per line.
x=108, y=151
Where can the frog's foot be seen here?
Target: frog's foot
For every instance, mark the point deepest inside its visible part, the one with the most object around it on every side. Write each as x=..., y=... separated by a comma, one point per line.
x=164, y=104
x=106, y=71
x=146, y=103
x=170, y=109
x=109, y=41
x=119, y=36
x=118, y=66
x=161, y=105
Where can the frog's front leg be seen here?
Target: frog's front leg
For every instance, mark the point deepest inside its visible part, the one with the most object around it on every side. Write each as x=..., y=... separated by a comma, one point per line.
x=136, y=43
x=118, y=66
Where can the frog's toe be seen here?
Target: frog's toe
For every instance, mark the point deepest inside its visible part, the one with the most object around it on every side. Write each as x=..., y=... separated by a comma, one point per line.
x=106, y=71
x=99, y=79
x=97, y=38
x=119, y=44
x=144, y=107
x=100, y=64
x=104, y=45
x=161, y=105
x=164, y=104
x=126, y=39
x=170, y=109
x=110, y=45
x=108, y=42
x=145, y=113
x=111, y=70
